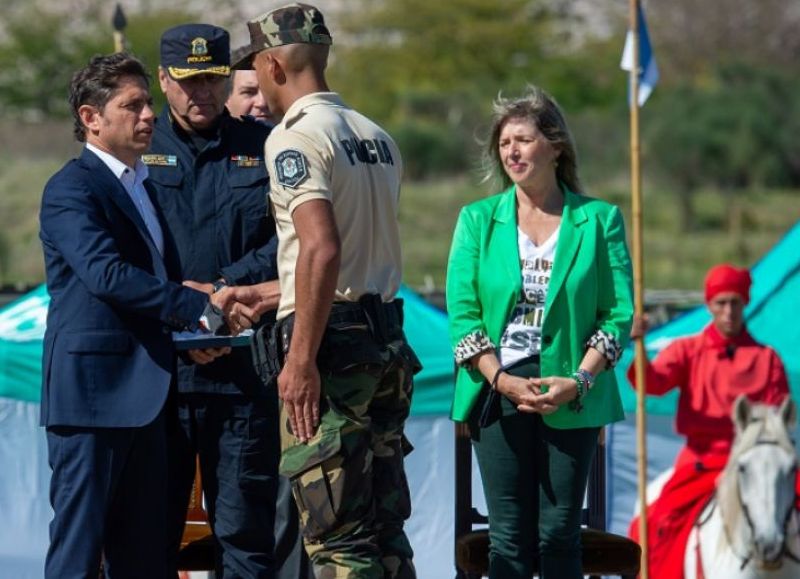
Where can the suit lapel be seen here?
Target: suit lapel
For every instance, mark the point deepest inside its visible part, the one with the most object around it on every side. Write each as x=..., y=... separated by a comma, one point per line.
x=107, y=181
x=507, y=248
x=110, y=183
x=569, y=242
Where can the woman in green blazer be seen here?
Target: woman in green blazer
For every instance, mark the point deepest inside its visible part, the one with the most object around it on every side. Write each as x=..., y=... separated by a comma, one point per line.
x=540, y=307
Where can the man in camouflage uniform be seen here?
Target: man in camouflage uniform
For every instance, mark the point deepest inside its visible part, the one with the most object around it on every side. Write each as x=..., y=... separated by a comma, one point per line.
x=346, y=382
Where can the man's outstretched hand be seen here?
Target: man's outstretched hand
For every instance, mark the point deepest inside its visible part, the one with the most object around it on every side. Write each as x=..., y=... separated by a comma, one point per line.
x=243, y=305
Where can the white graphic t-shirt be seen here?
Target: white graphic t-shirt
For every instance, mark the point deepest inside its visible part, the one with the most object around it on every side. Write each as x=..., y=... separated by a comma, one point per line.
x=523, y=334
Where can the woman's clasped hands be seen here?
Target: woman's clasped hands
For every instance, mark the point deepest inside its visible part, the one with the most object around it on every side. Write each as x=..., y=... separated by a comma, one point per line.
x=537, y=395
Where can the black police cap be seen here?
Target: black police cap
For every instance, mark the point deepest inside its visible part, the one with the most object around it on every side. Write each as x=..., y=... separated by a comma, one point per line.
x=191, y=49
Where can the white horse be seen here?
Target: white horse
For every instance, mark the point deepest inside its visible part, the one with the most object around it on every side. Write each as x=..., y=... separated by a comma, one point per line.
x=751, y=528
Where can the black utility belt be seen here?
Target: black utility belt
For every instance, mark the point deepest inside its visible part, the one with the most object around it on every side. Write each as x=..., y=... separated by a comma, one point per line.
x=381, y=320
x=358, y=313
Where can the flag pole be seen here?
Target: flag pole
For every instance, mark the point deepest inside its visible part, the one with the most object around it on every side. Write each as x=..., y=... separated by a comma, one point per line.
x=118, y=22
x=638, y=283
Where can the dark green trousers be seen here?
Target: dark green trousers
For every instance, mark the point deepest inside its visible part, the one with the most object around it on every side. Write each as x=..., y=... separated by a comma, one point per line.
x=534, y=478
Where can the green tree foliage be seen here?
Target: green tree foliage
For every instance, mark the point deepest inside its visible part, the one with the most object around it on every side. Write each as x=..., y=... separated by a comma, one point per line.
x=37, y=60
x=453, y=46
x=40, y=52
x=734, y=133
x=429, y=70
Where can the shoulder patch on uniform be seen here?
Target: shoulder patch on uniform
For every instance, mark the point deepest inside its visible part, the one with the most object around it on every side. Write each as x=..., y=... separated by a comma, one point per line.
x=291, y=168
x=160, y=160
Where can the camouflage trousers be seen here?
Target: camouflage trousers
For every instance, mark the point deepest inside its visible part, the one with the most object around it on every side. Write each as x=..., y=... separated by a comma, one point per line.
x=349, y=481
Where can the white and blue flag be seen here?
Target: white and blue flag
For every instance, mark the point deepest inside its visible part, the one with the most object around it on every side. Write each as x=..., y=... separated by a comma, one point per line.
x=648, y=70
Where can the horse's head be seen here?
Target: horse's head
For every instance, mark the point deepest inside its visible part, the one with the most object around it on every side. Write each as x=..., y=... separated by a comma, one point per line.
x=762, y=467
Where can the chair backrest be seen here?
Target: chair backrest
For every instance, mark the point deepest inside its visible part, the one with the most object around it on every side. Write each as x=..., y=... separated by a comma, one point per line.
x=596, y=489
x=196, y=513
x=198, y=542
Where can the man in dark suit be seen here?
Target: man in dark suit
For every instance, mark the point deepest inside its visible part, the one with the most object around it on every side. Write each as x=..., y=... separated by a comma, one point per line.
x=108, y=356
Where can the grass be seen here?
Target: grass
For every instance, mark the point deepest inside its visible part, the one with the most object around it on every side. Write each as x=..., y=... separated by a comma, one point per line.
x=21, y=185
x=674, y=259
x=678, y=259
x=428, y=213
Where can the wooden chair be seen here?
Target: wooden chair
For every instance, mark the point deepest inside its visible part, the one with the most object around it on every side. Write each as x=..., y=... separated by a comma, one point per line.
x=603, y=553
x=197, y=544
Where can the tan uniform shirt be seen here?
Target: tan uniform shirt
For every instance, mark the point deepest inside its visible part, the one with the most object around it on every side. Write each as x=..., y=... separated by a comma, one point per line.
x=325, y=150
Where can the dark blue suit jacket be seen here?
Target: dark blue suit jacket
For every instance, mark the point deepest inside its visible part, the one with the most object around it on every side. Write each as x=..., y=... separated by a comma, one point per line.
x=108, y=355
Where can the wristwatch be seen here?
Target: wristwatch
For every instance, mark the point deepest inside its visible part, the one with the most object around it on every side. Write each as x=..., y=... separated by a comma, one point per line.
x=211, y=319
x=218, y=285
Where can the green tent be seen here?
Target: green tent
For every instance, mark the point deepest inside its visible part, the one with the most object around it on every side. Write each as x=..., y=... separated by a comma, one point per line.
x=21, y=331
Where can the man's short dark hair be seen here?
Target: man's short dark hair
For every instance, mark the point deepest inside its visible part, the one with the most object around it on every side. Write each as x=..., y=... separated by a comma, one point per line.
x=96, y=83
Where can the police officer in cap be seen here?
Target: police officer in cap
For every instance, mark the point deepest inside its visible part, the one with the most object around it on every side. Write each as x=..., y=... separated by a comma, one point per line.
x=208, y=172
x=347, y=375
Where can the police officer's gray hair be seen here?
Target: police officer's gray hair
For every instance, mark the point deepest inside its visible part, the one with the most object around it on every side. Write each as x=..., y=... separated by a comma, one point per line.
x=96, y=83
x=541, y=109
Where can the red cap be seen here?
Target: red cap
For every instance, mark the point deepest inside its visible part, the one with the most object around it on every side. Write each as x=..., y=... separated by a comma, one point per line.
x=726, y=278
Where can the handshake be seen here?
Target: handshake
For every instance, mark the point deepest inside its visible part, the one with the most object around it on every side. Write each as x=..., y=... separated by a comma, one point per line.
x=241, y=307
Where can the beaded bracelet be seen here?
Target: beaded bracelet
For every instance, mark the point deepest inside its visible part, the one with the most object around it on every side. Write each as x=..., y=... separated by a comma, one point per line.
x=587, y=376
x=582, y=385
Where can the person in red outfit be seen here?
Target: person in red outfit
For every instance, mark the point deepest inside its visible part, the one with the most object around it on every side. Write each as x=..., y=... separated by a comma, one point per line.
x=711, y=370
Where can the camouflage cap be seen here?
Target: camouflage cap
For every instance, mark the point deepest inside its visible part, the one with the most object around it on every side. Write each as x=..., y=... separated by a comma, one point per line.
x=291, y=24
x=240, y=54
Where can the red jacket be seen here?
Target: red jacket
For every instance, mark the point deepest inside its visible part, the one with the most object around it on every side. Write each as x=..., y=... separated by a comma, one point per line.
x=711, y=371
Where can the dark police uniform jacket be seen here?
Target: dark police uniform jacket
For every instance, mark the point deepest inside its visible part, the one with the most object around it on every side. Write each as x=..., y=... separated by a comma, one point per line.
x=214, y=202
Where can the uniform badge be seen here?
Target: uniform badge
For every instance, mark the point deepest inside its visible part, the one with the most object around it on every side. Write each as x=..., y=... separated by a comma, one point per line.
x=199, y=46
x=160, y=160
x=291, y=168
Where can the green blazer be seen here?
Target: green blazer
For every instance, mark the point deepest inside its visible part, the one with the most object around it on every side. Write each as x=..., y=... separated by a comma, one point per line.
x=589, y=295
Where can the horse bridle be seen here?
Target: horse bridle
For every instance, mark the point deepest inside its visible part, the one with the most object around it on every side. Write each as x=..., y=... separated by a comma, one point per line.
x=745, y=559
